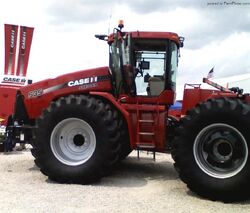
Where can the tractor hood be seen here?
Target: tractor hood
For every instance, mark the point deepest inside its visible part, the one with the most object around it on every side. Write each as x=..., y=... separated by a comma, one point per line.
x=38, y=96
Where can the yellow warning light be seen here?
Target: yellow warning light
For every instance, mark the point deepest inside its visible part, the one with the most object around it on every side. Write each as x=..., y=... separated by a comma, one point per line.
x=121, y=24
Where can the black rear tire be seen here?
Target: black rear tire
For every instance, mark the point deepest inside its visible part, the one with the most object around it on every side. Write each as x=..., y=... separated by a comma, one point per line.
x=211, y=149
x=77, y=140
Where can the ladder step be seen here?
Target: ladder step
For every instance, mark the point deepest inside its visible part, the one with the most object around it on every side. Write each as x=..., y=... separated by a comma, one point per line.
x=147, y=133
x=145, y=145
x=146, y=121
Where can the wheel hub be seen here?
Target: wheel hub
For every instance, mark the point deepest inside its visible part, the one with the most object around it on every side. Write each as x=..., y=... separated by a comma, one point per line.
x=73, y=141
x=79, y=140
x=220, y=150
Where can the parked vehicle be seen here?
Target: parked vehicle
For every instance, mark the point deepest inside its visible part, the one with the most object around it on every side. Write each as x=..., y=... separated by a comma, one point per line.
x=82, y=124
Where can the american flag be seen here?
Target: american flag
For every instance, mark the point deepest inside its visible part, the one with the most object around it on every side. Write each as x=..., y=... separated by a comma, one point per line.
x=211, y=73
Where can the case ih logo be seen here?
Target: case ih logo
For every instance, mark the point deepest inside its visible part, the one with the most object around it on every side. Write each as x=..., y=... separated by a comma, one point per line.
x=23, y=40
x=82, y=81
x=12, y=39
x=13, y=80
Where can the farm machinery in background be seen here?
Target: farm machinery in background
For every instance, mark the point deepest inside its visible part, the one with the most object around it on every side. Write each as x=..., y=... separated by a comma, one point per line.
x=14, y=77
x=83, y=124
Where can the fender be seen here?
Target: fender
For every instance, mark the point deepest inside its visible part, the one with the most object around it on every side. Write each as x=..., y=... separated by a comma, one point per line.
x=124, y=112
x=193, y=96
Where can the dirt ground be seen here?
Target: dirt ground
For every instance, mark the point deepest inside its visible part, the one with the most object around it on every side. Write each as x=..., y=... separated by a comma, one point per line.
x=140, y=185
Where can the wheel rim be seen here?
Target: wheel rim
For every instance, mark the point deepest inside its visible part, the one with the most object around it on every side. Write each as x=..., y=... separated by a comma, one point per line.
x=220, y=150
x=73, y=141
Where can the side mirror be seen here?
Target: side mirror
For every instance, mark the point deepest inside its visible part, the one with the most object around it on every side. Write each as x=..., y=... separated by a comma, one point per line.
x=181, y=39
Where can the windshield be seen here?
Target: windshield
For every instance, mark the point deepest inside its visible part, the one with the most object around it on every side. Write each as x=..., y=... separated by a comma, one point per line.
x=157, y=66
x=143, y=66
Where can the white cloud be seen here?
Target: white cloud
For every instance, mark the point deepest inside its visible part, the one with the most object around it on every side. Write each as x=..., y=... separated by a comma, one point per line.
x=228, y=57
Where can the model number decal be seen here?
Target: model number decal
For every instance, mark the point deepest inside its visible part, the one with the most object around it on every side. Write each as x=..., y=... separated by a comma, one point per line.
x=86, y=86
x=35, y=93
x=82, y=81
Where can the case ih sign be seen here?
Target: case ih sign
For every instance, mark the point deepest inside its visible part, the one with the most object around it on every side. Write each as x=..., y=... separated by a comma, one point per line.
x=16, y=74
x=15, y=68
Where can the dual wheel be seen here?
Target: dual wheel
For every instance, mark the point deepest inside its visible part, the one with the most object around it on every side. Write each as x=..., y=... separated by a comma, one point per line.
x=79, y=139
x=211, y=149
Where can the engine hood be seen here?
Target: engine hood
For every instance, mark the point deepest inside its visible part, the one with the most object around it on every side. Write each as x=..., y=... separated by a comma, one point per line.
x=39, y=95
x=97, y=79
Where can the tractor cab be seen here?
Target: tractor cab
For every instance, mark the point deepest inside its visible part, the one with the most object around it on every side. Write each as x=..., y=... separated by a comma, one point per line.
x=143, y=67
x=143, y=63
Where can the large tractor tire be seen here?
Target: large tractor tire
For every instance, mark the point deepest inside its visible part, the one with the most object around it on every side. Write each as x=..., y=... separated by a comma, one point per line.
x=77, y=140
x=211, y=149
x=124, y=135
x=125, y=142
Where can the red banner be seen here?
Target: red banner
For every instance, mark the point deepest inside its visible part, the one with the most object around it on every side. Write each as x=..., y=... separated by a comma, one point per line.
x=10, y=48
x=26, y=34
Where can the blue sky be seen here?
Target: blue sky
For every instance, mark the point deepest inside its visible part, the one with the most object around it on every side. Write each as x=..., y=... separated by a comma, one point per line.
x=216, y=35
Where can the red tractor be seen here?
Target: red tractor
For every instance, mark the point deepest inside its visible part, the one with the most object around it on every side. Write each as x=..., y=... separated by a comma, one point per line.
x=82, y=124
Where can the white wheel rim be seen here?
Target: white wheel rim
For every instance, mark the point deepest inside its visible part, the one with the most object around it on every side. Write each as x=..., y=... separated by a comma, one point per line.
x=223, y=162
x=73, y=141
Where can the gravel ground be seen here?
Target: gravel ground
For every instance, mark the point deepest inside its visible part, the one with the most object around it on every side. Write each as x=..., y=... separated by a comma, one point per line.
x=137, y=186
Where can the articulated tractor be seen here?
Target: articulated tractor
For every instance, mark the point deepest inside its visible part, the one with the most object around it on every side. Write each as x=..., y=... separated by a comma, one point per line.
x=83, y=124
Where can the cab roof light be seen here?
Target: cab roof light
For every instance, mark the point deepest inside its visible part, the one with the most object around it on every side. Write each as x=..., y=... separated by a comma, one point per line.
x=121, y=24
